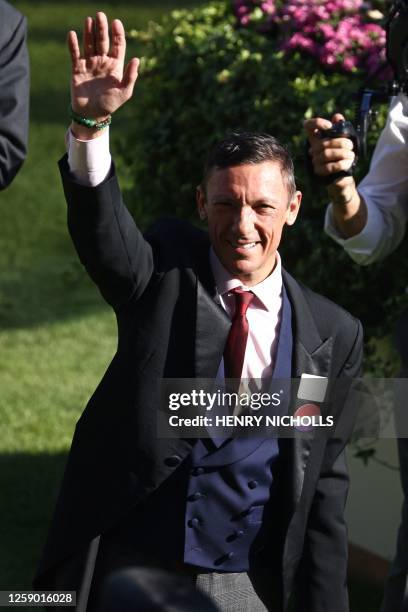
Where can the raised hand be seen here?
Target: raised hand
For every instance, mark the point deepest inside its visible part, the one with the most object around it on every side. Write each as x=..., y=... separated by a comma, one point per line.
x=331, y=155
x=100, y=83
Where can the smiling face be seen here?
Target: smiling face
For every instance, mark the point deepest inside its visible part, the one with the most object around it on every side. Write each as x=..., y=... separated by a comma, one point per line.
x=246, y=208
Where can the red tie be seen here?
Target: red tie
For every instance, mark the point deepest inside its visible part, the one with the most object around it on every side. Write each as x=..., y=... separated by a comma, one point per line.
x=234, y=351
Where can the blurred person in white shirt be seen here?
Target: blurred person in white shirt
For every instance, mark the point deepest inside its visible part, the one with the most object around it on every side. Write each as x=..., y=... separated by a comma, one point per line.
x=369, y=222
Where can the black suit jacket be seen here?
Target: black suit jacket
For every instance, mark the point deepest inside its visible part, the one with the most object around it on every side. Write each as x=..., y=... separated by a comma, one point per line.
x=169, y=325
x=14, y=92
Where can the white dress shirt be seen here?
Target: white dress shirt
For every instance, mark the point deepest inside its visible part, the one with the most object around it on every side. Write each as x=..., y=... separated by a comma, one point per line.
x=89, y=160
x=385, y=191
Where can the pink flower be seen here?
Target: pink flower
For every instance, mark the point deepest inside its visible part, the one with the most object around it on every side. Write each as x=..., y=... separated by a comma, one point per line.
x=298, y=40
x=268, y=7
x=327, y=30
x=328, y=59
x=350, y=62
x=244, y=20
x=335, y=31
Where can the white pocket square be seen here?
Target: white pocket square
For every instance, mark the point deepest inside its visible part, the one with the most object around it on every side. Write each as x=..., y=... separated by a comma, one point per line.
x=312, y=388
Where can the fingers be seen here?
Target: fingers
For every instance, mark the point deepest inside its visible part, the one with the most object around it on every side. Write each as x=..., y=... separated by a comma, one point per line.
x=118, y=48
x=312, y=126
x=89, y=37
x=329, y=155
x=330, y=160
x=320, y=145
x=130, y=76
x=73, y=46
x=96, y=38
x=332, y=167
x=333, y=155
x=101, y=34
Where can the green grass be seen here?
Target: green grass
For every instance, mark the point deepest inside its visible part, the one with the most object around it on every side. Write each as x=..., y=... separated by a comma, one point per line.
x=56, y=334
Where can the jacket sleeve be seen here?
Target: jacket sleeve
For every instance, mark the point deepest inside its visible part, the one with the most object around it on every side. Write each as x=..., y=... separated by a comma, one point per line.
x=109, y=245
x=14, y=93
x=321, y=583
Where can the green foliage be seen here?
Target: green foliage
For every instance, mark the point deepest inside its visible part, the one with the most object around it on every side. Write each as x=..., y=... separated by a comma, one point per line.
x=202, y=77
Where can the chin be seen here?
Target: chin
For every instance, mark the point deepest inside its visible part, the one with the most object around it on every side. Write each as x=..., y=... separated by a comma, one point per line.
x=242, y=271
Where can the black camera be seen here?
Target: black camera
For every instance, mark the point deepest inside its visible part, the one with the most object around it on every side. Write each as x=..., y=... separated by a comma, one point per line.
x=397, y=43
x=342, y=129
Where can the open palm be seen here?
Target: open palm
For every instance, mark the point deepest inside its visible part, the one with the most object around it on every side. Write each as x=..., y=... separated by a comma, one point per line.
x=100, y=83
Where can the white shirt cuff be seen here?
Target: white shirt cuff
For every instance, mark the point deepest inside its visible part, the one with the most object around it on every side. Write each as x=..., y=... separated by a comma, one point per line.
x=361, y=246
x=89, y=160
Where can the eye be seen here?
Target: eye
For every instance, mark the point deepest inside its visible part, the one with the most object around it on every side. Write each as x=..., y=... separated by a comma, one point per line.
x=264, y=209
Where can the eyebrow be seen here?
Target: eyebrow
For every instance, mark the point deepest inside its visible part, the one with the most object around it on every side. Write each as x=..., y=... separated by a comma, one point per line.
x=224, y=198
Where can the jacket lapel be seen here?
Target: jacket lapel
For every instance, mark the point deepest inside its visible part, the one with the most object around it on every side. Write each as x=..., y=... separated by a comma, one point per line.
x=212, y=322
x=311, y=355
x=212, y=328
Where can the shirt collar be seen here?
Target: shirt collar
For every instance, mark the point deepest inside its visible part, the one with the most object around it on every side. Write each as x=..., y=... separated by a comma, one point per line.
x=266, y=291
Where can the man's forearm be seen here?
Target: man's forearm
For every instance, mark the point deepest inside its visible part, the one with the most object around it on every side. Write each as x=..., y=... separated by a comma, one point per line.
x=349, y=209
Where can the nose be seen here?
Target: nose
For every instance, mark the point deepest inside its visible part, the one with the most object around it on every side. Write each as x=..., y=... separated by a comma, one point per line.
x=243, y=223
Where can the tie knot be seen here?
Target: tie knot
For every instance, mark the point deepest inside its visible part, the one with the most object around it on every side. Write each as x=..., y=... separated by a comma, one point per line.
x=242, y=300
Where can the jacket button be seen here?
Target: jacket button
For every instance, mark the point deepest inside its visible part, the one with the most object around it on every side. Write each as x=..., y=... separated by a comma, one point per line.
x=198, y=471
x=196, y=496
x=252, y=484
x=172, y=461
x=194, y=522
x=224, y=558
x=238, y=533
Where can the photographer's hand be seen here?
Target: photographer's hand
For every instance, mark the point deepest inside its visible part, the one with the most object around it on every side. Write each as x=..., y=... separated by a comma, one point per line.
x=330, y=156
x=100, y=83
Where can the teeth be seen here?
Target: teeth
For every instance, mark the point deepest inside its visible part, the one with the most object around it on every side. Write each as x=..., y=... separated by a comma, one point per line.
x=243, y=245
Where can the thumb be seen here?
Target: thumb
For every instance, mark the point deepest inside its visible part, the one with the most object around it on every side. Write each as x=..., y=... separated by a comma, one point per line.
x=130, y=75
x=312, y=127
x=338, y=117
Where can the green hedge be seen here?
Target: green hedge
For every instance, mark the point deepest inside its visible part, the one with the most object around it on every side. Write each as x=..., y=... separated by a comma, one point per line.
x=201, y=77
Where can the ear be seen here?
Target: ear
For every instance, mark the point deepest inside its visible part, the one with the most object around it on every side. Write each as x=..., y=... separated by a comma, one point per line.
x=201, y=203
x=293, y=208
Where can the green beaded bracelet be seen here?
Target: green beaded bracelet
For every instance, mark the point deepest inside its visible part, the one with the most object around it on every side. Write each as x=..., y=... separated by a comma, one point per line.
x=89, y=123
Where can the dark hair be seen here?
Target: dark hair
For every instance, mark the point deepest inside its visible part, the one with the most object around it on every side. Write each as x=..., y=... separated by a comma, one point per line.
x=239, y=148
